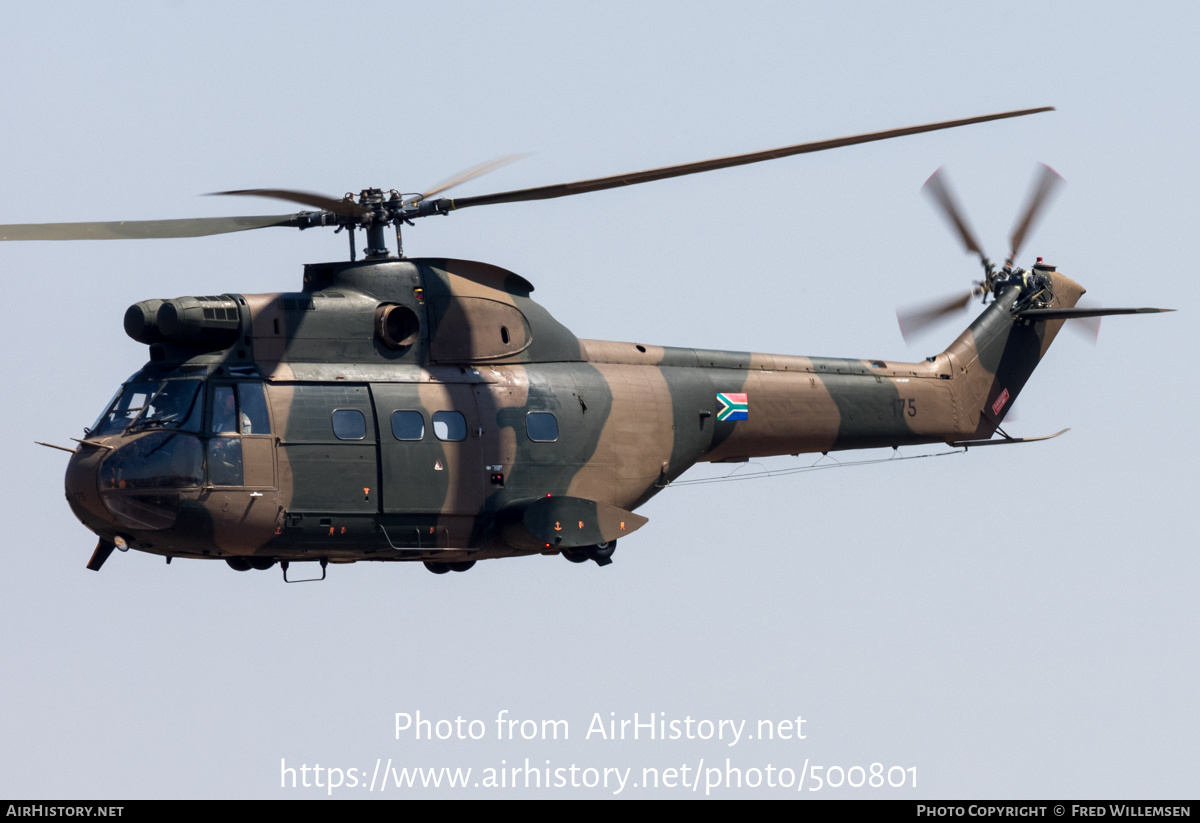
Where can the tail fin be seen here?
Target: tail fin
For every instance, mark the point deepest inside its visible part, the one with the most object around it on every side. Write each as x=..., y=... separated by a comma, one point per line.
x=994, y=357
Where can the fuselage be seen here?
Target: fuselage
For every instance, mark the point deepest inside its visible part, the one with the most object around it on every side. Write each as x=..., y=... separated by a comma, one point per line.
x=430, y=410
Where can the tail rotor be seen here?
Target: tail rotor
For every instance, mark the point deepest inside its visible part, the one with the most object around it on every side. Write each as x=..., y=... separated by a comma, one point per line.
x=915, y=319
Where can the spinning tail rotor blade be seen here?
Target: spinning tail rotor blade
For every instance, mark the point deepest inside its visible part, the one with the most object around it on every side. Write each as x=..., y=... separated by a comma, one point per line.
x=1087, y=328
x=1045, y=185
x=916, y=319
x=937, y=188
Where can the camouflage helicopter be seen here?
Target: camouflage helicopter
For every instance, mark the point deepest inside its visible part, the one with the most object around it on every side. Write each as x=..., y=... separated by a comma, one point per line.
x=399, y=409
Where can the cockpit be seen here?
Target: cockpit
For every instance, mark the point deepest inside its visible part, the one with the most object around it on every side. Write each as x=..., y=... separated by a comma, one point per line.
x=167, y=404
x=160, y=438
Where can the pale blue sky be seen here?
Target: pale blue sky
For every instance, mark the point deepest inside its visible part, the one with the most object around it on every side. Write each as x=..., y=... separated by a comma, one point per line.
x=1014, y=623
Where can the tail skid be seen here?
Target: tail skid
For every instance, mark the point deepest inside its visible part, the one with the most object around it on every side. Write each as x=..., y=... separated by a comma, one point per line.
x=1005, y=441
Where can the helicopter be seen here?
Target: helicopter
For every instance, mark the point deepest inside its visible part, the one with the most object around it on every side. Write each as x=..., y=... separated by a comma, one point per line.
x=429, y=410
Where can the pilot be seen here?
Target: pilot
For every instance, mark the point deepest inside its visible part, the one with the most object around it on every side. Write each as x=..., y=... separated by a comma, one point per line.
x=225, y=413
x=225, y=453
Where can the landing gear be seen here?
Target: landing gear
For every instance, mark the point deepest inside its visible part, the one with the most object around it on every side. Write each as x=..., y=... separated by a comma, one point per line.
x=441, y=567
x=601, y=553
x=245, y=564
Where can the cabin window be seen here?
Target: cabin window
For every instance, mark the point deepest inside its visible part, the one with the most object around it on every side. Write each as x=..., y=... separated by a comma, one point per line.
x=349, y=424
x=408, y=425
x=449, y=425
x=542, y=427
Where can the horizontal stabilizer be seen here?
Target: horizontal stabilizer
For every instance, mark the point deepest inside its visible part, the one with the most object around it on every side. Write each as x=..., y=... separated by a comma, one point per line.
x=1067, y=314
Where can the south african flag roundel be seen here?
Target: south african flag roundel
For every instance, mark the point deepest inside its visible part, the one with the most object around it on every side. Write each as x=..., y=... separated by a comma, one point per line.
x=734, y=406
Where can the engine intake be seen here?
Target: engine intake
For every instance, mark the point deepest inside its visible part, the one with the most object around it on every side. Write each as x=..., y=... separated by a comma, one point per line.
x=202, y=322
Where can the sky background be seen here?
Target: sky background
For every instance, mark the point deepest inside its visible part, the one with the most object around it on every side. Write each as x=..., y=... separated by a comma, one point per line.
x=1012, y=623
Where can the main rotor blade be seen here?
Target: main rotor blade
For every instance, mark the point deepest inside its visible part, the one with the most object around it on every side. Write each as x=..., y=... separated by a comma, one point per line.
x=915, y=319
x=463, y=177
x=1046, y=183
x=937, y=188
x=139, y=229
x=633, y=178
x=346, y=208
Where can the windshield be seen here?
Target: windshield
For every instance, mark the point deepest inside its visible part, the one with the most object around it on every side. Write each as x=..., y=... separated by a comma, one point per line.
x=169, y=404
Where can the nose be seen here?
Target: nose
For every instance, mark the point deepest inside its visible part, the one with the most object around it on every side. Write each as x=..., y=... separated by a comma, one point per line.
x=83, y=489
x=133, y=482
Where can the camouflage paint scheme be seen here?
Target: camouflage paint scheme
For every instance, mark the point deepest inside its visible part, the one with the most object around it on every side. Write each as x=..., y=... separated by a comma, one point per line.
x=630, y=417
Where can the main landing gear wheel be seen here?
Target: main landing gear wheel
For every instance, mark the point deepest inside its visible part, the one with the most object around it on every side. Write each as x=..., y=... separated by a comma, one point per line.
x=601, y=553
x=245, y=564
x=443, y=566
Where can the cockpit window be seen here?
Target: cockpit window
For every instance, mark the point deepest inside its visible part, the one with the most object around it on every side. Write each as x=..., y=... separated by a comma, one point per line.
x=240, y=408
x=224, y=411
x=162, y=460
x=124, y=409
x=169, y=404
x=254, y=409
x=174, y=406
x=103, y=418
